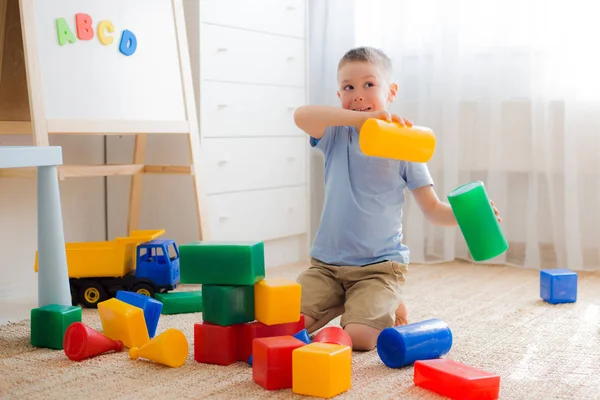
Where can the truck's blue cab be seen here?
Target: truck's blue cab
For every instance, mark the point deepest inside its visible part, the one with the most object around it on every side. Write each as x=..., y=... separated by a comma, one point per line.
x=158, y=261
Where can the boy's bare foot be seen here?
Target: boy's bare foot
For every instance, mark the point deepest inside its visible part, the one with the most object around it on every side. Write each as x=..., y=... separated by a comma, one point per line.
x=401, y=315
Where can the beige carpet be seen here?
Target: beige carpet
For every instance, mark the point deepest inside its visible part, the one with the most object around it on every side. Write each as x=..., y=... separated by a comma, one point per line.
x=498, y=321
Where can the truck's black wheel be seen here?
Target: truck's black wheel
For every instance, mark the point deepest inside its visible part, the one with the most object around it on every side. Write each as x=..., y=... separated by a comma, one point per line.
x=91, y=294
x=74, y=296
x=144, y=288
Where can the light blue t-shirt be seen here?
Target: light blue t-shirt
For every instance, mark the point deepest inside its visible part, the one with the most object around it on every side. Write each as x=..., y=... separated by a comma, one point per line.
x=361, y=222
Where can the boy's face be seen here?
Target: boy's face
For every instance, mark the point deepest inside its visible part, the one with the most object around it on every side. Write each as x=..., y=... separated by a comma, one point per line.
x=362, y=87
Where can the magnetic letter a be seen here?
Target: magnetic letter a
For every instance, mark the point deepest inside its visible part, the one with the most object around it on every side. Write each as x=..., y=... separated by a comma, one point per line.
x=84, y=26
x=64, y=32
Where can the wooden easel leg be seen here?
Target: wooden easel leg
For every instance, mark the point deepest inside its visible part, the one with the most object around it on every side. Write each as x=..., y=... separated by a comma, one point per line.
x=135, y=193
x=3, y=8
x=199, y=195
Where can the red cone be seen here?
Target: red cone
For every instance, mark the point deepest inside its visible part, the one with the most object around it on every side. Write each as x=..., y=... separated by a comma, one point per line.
x=81, y=342
x=335, y=335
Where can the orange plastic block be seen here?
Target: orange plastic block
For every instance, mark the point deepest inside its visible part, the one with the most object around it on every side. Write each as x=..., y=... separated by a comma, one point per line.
x=277, y=301
x=169, y=348
x=124, y=322
x=455, y=380
x=321, y=369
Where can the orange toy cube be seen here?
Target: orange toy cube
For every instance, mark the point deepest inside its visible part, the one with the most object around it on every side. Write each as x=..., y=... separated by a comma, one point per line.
x=321, y=369
x=277, y=301
x=124, y=322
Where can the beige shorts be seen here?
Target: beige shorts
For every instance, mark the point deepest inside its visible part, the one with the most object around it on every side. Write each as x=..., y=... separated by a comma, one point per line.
x=370, y=294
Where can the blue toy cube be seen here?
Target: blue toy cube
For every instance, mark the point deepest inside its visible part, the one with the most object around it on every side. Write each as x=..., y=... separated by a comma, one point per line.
x=152, y=308
x=558, y=286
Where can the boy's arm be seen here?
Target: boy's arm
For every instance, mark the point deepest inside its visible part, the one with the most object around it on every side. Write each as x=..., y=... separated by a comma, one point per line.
x=436, y=211
x=315, y=119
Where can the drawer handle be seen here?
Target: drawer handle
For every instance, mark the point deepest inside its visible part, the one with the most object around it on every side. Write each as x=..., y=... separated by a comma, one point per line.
x=291, y=58
x=221, y=105
x=226, y=158
x=224, y=218
x=221, y=50
x=291, y=108
x=291, y=158
x=290, y=8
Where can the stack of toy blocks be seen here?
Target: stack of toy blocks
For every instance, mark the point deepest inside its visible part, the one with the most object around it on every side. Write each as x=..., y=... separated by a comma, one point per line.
x=235, y=295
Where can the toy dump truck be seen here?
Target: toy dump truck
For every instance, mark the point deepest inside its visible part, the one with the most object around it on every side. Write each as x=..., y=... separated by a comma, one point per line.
x=138, y=263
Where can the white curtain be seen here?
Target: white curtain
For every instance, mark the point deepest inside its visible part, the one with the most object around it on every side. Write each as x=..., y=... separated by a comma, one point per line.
x=512, y=90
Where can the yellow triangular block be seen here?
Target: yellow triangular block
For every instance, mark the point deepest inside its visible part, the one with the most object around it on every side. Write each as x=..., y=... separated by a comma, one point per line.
x=169, y=348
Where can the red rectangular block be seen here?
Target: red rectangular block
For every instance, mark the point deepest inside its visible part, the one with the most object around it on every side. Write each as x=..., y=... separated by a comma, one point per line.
x=455, y=380
x=215, y=344
x=272, y=361
x=254, y=330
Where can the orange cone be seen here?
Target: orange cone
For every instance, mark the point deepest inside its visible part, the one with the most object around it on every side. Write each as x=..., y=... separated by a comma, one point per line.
x=81, y=342
x=169, y=348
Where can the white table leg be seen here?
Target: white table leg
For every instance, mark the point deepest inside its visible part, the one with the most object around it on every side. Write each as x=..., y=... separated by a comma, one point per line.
x=53, y=277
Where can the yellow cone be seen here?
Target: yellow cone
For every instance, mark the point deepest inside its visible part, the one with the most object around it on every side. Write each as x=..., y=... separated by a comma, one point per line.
x=169, y=348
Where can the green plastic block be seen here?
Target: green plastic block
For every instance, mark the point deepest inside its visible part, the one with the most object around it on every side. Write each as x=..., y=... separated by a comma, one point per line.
x=180, y=302
x=228, y=305
x=222, y=263
x=49, y=324
x=477, y=221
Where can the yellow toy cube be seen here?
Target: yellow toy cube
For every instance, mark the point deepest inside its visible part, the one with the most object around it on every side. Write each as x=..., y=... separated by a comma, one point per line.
x=124, y=322
x=321, y=369
x=277, y=301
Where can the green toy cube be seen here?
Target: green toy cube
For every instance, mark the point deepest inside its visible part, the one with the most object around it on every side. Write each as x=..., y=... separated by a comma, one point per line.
x=180, y=302
x=222, y=263
x=49, y=324
x=228, y=305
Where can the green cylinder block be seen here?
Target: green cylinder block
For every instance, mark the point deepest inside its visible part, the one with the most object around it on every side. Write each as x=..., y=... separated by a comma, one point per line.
x=477, y=221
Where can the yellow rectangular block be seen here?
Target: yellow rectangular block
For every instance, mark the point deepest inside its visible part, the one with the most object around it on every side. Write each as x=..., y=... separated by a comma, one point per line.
x=321, y=369
x=277, y=301
x=124, y=322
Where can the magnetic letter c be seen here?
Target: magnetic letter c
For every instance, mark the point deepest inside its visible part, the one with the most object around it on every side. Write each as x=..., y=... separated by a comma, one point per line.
x=109, y=27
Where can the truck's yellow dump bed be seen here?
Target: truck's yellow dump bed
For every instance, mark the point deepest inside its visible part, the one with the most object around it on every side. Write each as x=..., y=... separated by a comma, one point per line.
x=114, y=258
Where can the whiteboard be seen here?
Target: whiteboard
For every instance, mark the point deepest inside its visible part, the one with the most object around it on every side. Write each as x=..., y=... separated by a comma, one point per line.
x=90, y=80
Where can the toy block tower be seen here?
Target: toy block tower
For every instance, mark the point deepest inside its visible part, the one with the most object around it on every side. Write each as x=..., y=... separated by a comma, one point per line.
x=239, y=303
x=227, y=272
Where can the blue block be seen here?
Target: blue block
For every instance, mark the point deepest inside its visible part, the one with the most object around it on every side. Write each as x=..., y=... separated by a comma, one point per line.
x=403, y=345
x=558, y=286
x=152, y=308
x=303, y=335
x=250, y=360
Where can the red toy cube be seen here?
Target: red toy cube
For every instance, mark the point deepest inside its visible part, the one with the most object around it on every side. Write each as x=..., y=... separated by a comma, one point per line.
x=272, y=361
x=215, y=344
x=455, y=380
x=254, y=330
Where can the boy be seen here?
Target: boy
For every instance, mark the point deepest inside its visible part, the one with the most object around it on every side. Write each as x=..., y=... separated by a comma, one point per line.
x=358, y=262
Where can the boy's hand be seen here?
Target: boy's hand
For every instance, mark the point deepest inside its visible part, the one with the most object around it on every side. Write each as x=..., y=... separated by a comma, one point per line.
x=387, y=116
x=496, y=211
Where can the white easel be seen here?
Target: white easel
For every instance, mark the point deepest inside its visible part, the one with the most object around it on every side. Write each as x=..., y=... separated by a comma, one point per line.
x=88, y=86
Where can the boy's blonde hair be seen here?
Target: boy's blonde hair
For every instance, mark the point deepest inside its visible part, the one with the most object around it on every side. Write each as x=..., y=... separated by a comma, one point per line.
x=371, y=55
